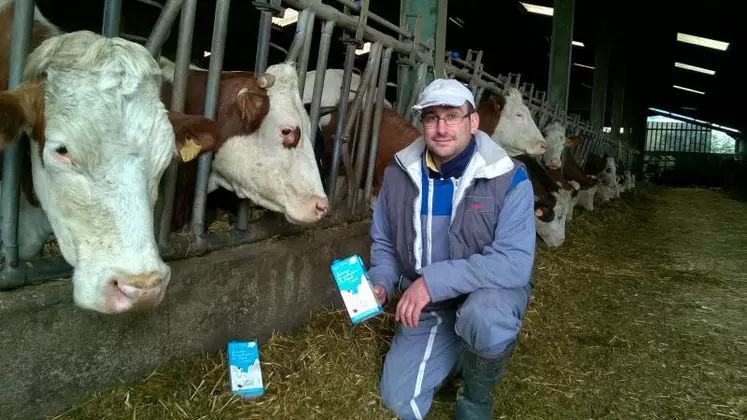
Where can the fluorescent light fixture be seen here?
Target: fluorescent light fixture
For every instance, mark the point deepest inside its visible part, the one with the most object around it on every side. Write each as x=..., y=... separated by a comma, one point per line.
x=289, y=17
x=456, y=23
x=583, y=65
x=206, y=53
x=578, y=43
x=688, y=89
x=537, y=9
x=609, y=130
x=694, y=68
x=366, y=48
x=703, y=42
x=689, y=108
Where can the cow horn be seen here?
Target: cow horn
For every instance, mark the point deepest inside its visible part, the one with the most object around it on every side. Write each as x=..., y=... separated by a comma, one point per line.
x=266, y=80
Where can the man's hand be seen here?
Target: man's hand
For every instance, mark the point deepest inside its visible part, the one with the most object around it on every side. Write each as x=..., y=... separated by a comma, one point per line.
x=412, y=302
x=380, y=294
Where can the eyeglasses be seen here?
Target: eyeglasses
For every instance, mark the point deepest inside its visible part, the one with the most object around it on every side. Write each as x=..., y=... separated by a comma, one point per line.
x=431, y=120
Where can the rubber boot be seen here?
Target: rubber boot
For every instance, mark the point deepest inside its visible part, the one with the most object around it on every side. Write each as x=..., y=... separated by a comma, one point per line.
x=474, y=400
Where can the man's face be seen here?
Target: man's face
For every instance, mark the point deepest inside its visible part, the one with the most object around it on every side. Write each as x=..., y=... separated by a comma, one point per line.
x=448, y=130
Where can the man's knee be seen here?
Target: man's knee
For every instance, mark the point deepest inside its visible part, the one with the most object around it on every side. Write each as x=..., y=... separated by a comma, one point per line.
x=490, y=319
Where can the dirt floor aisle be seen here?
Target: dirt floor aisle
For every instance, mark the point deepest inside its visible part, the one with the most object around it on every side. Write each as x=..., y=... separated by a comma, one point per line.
x=641, y=314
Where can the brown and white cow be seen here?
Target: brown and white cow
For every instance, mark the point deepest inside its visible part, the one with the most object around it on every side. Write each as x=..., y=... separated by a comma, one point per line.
x=508, y=121
x=573, y=172
x=98, y=139
x=558, y=143
x=265, y=153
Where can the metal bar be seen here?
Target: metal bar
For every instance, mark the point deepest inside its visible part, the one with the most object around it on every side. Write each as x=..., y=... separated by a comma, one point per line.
x=476, y=73
x=178, y=99
x=441, y=30
x=112, y=18
x=341, y=114
x=13, y=275
x=378, y=19
x=260, y=65
x=163, y=25
x=217, y=48
x=303, y=61
x=378, y=111
x=321, y=70
x=298, y=39
x=419, y=85
x=368, y=110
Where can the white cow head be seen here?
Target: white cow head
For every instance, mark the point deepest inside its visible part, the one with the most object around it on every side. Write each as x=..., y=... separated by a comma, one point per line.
x=100, y=139
x=609, y=174
x=515, y=131
x=275, y=166
x=557, y=140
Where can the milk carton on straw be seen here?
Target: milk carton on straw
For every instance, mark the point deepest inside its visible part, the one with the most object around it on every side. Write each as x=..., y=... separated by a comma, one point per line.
x=355, y=288
x=244, y=369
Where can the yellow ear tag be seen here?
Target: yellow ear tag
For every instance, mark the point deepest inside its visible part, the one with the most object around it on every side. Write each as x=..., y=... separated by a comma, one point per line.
x=190, y=150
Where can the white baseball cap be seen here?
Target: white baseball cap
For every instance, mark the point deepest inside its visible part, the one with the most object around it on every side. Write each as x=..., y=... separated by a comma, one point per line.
x=449, y=92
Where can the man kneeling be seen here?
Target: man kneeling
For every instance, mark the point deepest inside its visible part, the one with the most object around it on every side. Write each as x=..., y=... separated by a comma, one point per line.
x=453, y=228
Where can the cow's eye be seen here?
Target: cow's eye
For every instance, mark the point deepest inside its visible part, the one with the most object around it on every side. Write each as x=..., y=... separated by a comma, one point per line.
x=286, y=131
x=62, y=150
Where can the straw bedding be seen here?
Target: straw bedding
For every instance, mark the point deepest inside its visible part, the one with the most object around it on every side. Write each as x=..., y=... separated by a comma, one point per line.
x=640, y=314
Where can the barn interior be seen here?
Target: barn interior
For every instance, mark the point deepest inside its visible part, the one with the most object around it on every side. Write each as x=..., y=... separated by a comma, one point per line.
x=625, y=318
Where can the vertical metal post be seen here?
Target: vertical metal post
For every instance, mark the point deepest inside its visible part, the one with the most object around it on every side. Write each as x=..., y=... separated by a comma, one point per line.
x=368, y=109
x=260, y=65
x=375, y=132
x=477, y=67
x=321, y=70
x=217, y=48
x=298, y=39
x=178, y=98
x=440, y=50
x=601, y=75
x=112, y=14
x=341, y=114
x=20, y=45
x=303, y=61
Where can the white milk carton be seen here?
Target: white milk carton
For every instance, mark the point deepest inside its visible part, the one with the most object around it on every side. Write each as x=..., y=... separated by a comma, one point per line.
x=244, y=369
x=355, y=288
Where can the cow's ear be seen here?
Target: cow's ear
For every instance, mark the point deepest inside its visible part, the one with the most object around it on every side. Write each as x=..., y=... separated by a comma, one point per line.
x=252, y=101
x=194, y=135
x=21, y=108
x=573, y=141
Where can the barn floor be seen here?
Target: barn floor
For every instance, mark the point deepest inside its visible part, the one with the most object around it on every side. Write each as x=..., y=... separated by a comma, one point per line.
x=641, y=314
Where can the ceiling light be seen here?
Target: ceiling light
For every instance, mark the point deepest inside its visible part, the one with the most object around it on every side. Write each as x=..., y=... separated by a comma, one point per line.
x=456, y=23
x=540, y=10
x=289, y=17
x=206, y=53
x=703, y=42
x=577, y=43
x=694, y=68
x=688, y=89
x=583, y=65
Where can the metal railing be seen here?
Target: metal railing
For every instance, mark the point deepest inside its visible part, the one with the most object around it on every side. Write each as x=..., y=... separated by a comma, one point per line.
x=364, y=109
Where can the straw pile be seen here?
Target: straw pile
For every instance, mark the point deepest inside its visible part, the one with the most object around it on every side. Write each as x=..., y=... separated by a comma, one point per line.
x=639, y=315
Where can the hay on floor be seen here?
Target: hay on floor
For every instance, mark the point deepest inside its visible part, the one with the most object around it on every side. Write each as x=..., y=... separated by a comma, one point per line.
x=640, y=314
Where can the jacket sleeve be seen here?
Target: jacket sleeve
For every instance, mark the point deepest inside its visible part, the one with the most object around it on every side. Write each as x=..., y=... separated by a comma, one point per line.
x=506, y=263
x=385, y=270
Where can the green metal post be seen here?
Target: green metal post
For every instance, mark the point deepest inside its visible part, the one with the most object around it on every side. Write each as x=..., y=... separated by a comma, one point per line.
x=618, y=96
x=560, y=53
x=427, y=10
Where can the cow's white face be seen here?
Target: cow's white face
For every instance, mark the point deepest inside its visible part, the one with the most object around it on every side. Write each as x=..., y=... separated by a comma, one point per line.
x=275, y=166
x=556, y=142
x=553, y=232
x=101, y=140
x=609, y=175
x=516, y=131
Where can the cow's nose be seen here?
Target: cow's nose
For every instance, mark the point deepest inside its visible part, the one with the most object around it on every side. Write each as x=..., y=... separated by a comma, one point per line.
x=322, y=206
x=128, y=291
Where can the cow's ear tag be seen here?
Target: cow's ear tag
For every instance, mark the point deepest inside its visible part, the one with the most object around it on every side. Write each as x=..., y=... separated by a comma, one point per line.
x=190, y=150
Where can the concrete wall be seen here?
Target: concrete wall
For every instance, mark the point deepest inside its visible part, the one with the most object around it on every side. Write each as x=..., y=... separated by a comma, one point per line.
x=53, y=355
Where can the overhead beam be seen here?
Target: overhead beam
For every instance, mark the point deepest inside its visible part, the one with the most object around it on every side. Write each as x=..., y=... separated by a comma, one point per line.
x=560, y=53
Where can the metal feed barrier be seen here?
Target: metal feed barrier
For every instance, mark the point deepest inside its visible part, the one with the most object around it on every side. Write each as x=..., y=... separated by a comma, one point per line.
x=366, y=108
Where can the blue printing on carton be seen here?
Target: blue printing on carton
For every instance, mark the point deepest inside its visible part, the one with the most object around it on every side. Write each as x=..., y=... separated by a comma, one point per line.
x=245, y=370
x=351, y=278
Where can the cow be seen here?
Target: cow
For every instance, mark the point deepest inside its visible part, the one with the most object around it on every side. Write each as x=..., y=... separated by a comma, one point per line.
x=573, y=173
x=604, y=169
x=551, y=203
x=265, y=152
x=517, y=130
x=557, y=140
x=508, y=121
x=95, y=140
